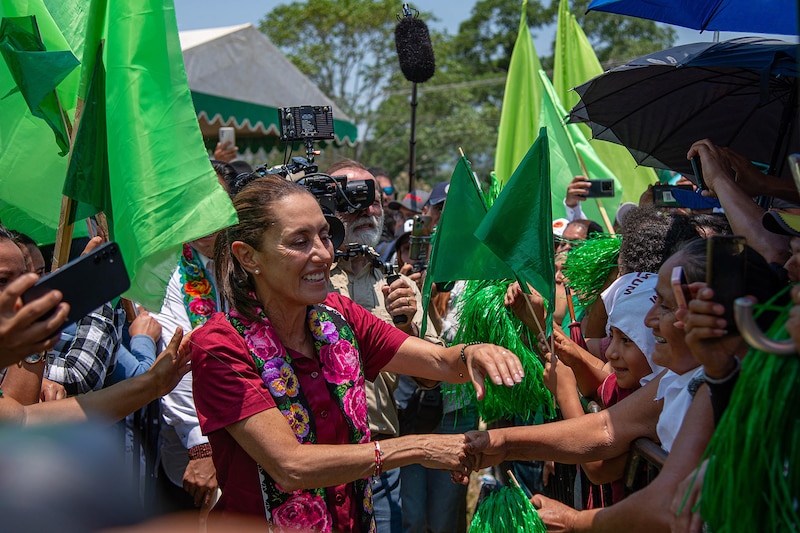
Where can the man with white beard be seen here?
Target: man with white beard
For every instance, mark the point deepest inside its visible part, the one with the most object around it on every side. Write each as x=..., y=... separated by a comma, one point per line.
x=357, y=278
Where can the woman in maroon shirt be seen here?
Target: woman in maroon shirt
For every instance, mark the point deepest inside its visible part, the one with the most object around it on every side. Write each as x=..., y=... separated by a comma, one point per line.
x=279, y=380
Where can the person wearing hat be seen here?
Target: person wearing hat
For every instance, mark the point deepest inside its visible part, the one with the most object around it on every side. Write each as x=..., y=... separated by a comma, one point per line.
x=435, y=203
x=411, y=204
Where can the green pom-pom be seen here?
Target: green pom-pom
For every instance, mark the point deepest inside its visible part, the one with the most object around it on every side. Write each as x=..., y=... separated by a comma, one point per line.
x=484, y=318
x=752, y=482
x=589, y=264
x=506, y=510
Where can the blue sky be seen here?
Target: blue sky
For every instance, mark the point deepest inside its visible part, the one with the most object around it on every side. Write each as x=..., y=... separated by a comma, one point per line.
x=198, y=14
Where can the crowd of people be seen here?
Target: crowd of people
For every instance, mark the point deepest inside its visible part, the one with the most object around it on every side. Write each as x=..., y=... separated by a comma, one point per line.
x=295, y=387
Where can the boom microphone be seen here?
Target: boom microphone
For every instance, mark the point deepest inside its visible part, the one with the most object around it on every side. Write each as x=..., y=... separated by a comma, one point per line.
x=414, y=48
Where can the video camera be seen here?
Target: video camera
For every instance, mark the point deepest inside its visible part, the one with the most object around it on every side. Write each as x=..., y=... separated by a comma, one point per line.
x=335, y=194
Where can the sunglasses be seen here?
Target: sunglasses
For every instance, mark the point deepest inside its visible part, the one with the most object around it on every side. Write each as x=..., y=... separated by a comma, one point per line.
x=389, y=190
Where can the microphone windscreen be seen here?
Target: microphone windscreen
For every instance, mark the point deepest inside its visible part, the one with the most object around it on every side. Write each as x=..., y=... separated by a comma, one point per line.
x=414, y=49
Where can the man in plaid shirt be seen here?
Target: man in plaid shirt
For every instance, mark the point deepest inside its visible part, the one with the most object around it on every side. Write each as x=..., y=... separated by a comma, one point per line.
x=87, y=350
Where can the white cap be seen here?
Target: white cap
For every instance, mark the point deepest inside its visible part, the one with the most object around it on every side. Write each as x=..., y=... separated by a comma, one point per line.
x=559, y=225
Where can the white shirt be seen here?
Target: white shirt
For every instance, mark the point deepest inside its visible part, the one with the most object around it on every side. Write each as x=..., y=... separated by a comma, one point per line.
x=674, y=389
x=180, y=428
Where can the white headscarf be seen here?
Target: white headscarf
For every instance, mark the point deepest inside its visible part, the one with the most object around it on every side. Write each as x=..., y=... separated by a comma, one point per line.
x=627, y=301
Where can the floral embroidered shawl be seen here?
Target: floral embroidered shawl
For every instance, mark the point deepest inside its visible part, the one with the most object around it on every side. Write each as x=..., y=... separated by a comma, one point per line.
x=199, y=294
x=340, y=361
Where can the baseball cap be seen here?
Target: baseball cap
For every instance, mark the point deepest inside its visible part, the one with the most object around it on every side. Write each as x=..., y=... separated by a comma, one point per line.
x=412, y=201
x=439, y=193
x=782, y=223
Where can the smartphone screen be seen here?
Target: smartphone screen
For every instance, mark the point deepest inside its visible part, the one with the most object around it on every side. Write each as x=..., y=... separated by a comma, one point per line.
x=601, y=188
x=726, y=272
x=680, y=288
x=227, y=136
x=86, y=282
x=420, y=238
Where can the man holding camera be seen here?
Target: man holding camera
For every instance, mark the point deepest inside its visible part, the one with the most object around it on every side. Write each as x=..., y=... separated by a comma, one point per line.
x=356, y=277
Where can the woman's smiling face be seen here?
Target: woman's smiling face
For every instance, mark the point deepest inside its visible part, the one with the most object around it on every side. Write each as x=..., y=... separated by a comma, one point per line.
x=671, y=350
x=296, y=253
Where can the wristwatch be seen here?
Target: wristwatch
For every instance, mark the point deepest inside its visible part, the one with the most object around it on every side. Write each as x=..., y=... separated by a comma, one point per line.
x=35, y=358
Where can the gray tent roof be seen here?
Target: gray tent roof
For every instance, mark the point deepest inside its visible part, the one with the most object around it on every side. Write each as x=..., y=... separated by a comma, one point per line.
x=239, y=78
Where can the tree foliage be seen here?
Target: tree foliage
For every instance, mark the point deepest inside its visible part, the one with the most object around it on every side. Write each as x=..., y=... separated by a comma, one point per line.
x=347, y=48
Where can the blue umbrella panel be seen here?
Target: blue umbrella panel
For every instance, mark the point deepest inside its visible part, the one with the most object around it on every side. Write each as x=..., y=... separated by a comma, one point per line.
x=747, y=16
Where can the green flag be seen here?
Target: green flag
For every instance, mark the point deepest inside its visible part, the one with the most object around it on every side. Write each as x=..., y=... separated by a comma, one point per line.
x=36, y=72
x=576, y=63
x=33, y=172
x=571, y=155
x=164, y=191
x=162, y=188
x=456, y=254
x=87, y=173
x=519, y=116
x=518, y=227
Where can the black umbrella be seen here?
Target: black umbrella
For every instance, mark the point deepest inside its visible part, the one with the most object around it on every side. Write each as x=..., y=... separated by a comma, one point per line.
x=740, y=93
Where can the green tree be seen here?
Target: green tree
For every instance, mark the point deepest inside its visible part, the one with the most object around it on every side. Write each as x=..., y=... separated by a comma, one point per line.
x=346, y=47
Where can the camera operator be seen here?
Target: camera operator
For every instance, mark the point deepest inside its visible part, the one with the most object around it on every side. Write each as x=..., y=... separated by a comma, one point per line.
x=357, y=277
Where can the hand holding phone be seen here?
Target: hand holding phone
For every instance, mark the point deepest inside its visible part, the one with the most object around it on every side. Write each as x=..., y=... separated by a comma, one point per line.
x=601, y=188
x=227, y=137
x=697, y=170
x=86, y=283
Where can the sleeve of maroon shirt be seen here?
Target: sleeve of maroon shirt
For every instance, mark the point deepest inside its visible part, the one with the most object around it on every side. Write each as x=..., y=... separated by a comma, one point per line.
x=227, y=387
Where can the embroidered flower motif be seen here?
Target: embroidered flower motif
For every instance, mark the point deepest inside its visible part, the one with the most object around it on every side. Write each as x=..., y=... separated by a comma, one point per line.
x=198, y=287
x=323, y=330
x=298, y=419
x=355, y=407
x=280, y=378
x=261, y=341
x=303, y=511
x=199, y=298
x=202, y=306
x=340, y=362
x=192, y=270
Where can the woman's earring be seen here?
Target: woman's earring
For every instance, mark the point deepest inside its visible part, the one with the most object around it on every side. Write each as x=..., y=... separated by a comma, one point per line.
x=257, y=272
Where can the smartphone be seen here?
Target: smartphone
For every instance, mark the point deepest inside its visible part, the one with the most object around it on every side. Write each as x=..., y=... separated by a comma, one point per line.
x=680, y=288
x=602, y=188
x=227, y=136
x=420, y=238
x=697, y=170
x=726, y=272
x=86, y=282
x=663, y=197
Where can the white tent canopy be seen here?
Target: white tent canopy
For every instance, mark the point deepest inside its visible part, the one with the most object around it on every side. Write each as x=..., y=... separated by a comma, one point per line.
x=239, y=78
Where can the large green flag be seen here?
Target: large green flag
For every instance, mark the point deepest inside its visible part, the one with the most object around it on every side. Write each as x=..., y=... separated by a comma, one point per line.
x=162, y=188
x=571, y=155
x=164, y=191
x=519, y=116
x=456, y=254
x=519, y=228
x=576, y=63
